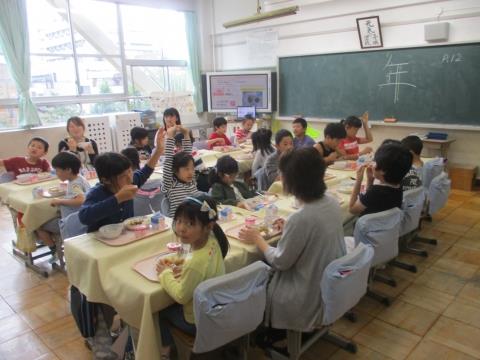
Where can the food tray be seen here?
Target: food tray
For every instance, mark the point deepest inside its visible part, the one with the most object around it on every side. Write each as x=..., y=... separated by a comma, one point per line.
x=234, y=232
x=147, y=267
x=35, y=180
x=128, y=237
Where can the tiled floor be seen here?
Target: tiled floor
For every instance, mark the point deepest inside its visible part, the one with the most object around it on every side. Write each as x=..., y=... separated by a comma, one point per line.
x=435, y=313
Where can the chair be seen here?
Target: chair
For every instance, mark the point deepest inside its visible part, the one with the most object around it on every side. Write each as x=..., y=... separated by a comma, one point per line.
x=380, y=230
x=165, y=206
x=344, y=282
x=432, y=169
x=71, y=226
x=7, y=177
x=438, y=193
x=226, y=308
x=412, y=206
x=148, y=201
x=262, y=180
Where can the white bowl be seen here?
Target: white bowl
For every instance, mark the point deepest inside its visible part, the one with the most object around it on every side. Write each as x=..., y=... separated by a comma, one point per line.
x=24, y=177
x=111, y=231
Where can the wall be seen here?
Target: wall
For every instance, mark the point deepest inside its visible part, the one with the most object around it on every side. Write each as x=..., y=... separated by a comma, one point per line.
x=330, y=26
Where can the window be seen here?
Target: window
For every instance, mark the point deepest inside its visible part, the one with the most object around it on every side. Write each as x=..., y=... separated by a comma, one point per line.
x=8, y=90
x=78, y=66
x=155, y=34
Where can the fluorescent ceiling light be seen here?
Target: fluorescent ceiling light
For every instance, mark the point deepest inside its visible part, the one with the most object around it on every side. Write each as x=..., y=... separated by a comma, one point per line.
x=259, y=16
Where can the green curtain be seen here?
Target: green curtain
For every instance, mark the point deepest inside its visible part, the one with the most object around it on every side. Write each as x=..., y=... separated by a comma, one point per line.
x=191, y=28
x=15, y=46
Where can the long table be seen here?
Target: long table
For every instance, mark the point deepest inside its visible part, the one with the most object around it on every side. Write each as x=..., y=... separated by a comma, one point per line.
x=104, y=273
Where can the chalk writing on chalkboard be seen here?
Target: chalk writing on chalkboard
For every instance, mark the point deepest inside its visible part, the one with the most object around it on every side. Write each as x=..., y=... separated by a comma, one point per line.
x=393, y=77
x=450, y=59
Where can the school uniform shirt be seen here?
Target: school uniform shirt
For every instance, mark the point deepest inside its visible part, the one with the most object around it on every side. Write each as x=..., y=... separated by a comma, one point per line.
x=380, y=198
x=218, y=136
x=205, y=263
x=176, y=190
x=230, y=195
x=350, y=145
x=102, y=208
x=86, y=159
x=311, y=239
x=19, y=165
x=306, y=141
x=411, y=180
x=242, y=134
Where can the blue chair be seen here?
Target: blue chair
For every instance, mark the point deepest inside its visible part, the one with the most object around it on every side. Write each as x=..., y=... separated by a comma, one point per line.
x=344, y=282
x=226, y=308
x=382, y=231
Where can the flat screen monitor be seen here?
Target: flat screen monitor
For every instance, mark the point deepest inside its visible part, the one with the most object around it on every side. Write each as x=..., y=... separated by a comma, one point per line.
x=229, y=90
x=245, y=110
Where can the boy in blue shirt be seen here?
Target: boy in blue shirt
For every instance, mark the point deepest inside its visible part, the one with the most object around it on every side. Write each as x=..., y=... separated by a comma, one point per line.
x=299, y=127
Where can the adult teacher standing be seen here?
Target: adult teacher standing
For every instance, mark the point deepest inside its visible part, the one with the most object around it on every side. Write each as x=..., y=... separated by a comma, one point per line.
x=86, y=149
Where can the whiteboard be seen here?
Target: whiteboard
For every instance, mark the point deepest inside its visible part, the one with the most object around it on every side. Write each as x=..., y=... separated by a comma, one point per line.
x=228, y=90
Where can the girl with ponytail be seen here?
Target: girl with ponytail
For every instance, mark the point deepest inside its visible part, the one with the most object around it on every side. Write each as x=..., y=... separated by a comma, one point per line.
x=195, y=224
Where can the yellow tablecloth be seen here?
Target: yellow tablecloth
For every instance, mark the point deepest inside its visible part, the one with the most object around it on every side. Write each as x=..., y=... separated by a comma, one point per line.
x=36, y=212
x=209, y=158
x=104, y=274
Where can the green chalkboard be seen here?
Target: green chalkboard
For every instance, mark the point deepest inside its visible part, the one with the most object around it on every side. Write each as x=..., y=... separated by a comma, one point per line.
x=439, y=84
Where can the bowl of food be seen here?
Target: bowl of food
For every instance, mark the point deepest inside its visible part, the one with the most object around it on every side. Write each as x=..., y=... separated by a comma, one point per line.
x=137, y=223
x=56, y=191
x=111, y=231
x=24, y=178
x=172, y=260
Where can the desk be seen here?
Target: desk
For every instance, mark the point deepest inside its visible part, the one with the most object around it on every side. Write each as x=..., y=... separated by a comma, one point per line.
x=36, y=212
x=441, y=145
x=210, y=157
x=104, y=274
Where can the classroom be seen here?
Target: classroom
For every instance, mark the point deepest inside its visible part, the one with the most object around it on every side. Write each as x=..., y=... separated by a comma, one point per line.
x=225, y=179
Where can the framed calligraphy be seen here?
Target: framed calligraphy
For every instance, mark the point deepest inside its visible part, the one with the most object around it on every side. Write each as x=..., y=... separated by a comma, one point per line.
x=369, y=32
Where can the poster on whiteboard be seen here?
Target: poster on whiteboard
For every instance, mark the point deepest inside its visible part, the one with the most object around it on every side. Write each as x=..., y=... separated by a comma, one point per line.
x=228, y=90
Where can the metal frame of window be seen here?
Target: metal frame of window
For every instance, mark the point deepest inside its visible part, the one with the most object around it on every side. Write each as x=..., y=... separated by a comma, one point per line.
x=84, y=99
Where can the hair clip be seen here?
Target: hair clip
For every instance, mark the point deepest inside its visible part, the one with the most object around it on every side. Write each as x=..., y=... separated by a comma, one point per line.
x=204, y=207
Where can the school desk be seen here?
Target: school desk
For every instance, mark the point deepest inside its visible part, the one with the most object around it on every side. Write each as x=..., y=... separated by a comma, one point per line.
x=210, y=157
x=105, y=275
x=439, y=145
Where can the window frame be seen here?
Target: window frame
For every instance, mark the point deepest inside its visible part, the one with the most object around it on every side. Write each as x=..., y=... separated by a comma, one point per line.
x=79, y=98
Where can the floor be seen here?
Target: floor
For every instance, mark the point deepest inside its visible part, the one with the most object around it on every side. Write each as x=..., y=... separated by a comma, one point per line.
x=435, y=313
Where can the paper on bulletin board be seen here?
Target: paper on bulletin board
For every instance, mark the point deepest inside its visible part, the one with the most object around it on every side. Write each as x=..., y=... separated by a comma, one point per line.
x=262, y=47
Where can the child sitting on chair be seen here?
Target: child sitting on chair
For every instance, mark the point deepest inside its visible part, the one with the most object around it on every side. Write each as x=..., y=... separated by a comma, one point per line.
x=32, y=163
x=218, y=137
x=392, y=163
x=194, y=224
x=225, y=189
x=111, y=200
x=139, y=140
x=244, y=132
x=67, y=167
x=348, y=147
x=333, y=134
x=283, y=143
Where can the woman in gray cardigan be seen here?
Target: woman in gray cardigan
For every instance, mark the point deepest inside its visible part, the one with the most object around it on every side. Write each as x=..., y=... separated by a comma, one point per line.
x=312, y=238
